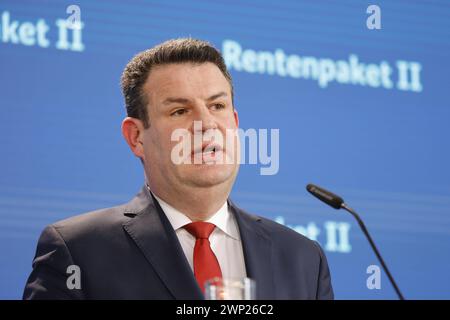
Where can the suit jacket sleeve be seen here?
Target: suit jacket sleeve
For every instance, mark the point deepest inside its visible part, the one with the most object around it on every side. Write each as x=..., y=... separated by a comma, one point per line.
x=48, y=280
x=324, y=287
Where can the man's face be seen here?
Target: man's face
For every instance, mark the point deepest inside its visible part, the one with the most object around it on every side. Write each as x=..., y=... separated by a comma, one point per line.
x=178, y=95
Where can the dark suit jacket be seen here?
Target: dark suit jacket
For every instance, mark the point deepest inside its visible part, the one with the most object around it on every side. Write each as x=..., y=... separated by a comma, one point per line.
x=132, y=252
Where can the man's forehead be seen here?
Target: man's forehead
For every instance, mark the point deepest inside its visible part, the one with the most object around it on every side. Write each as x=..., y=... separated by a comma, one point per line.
x=187, y=81
x=184, y=99
x=176, y=72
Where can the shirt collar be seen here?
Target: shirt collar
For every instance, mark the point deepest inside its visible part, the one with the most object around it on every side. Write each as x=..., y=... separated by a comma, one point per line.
x=222, y=219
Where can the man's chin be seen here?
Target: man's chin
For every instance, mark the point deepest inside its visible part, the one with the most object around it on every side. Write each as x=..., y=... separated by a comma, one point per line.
x=205, y=176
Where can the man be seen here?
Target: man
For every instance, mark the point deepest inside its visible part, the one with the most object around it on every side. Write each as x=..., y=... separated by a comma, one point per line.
x=181, y=229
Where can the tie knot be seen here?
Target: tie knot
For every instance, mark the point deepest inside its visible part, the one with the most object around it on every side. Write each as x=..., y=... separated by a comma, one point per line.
x=200, y=229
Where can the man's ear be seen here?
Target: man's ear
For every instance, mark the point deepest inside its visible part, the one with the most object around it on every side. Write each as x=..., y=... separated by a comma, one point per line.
x=132, y=131
x=236, y=118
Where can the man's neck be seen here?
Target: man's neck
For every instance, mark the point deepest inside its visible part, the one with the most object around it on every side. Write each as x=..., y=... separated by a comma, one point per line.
x=198, y=204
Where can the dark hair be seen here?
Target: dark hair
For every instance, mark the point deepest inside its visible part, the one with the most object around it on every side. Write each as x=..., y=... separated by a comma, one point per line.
x=185, y=50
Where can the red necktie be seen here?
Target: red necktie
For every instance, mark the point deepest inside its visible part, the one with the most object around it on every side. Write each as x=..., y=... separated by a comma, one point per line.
x=206, y=265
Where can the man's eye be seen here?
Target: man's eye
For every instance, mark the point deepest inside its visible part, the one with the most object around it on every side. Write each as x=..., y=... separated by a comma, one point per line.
x=178, y=112
x=218, y=106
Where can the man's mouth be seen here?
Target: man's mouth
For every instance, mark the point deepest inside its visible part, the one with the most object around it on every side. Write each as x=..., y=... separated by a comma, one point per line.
x=207, y=151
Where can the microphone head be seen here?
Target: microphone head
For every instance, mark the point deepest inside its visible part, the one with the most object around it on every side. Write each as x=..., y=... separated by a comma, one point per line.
x=326, y=196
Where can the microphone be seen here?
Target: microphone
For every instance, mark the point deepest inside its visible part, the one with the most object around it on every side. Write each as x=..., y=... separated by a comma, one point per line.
x=337, y=202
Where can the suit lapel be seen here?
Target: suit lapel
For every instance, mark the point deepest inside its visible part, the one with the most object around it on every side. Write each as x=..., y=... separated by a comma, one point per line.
x=155, y=237
x=257, y=248
x=151, y=231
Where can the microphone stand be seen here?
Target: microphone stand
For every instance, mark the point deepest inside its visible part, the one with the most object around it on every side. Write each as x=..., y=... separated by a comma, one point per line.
x=372, y=244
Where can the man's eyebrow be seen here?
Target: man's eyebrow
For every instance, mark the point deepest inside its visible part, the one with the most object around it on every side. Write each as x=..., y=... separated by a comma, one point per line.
x=217, y=95
x=175, y=100
x=184, y=100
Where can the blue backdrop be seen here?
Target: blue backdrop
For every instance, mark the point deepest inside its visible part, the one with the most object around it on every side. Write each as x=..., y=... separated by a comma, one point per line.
x=362, y=112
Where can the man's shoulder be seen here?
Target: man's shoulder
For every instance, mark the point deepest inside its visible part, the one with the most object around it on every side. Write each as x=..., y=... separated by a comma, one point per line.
x=93, y=222
x=282, y=235
x=100, y=223
x=98, y=216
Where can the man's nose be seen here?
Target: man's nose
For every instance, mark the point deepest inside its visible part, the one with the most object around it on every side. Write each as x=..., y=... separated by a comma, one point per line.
x=204, y=117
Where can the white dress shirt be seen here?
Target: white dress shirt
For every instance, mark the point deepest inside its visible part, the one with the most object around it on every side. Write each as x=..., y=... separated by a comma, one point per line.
x=225, y=239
